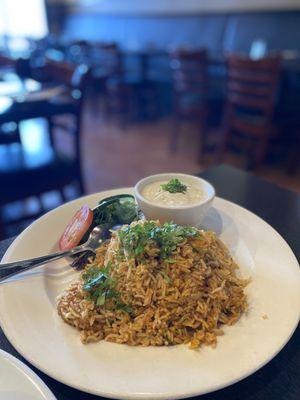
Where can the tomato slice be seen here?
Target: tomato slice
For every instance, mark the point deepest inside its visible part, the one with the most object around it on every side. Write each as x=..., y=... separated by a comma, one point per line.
x=76, y=228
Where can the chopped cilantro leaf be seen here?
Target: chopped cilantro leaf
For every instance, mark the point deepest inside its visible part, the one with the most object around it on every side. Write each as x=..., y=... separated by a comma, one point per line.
x=101, y=300
x=124, y=307
x=99, y=286
x=170, y=260
x=166, y=277
x=166, y=237
x=174, y=186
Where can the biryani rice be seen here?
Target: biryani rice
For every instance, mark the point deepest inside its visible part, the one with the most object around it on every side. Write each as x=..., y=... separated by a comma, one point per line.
x=186, y=301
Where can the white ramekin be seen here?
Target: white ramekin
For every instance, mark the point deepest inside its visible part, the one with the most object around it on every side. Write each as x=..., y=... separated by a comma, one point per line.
x=182, y=215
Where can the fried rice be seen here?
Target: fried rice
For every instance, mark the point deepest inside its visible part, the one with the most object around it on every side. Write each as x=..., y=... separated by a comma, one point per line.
x=186, y=298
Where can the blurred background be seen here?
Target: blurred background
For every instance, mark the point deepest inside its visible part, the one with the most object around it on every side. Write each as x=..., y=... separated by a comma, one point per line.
x=96, y=94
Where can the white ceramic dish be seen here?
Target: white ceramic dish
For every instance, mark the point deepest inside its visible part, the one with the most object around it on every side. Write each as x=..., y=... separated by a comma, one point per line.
x=18, y=382
x=191, y=214
x=29, y=319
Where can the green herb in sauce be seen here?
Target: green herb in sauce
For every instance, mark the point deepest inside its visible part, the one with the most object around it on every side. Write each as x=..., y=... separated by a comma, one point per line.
x=174, y=186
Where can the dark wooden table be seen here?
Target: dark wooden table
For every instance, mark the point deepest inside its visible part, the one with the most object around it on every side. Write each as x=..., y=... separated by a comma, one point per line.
x=23, y=98
x=280, y=378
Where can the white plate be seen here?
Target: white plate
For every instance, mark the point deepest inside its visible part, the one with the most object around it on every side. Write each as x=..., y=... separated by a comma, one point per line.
x=29, y=319
x=18, y=382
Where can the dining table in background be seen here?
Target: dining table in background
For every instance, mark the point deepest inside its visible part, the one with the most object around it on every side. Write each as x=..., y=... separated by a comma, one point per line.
x=25, y=98
x=280, y=378
x=144, y=56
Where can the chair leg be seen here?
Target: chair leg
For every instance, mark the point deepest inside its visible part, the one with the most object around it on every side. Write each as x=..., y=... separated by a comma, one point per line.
x=62, y=195
x=261, y=151
x=225, y=132
x=294, y=159
x=79, y=178
x=18, y=133
x=247, y=153
x=81, y=186
x=2, y=229
x=107, y=107
x=176, y=125
x=41, y=205
x=123, y=121
x=51, y=131
x=202, y=139
x=222, y=145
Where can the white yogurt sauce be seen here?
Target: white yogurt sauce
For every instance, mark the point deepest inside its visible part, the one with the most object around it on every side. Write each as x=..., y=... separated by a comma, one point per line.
x=154, y=193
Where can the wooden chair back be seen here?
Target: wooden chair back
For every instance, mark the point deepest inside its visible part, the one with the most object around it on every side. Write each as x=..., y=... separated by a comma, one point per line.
x=250, y=103
x=64, y=115
x=190, y=90
x=75, y=79
x=190, y=83
x=78, y=51
x=9, y=132
x=189, y=70
x=72, y=76
x=6, y=61
x=252, y=84
x=107, y=56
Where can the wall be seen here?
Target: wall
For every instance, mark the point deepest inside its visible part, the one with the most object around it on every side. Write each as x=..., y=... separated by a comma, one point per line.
x=217, y=32
x=133, y=7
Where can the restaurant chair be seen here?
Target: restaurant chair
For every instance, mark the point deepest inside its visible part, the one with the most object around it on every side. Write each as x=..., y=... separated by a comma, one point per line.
x=121, y=91
x=121, y=100
x=9, y=133
x=74, y=82
x=6, y=61
x=252, y=89
x=7, y=65
x=104, y=59
x=24, y=174
x=23, y=67
x=294, y=159
x=78, y=51
x=190, y=92
x=106, y=64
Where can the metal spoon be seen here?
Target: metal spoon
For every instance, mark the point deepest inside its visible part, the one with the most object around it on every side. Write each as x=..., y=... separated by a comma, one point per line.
x=96, y=238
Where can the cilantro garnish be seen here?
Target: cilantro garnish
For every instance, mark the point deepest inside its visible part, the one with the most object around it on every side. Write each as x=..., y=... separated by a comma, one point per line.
x=169, y=236
x=99, y=287
x=166, y=277
x=166, y=237
x=135, y=238
x=174, y=186
x=98, y=283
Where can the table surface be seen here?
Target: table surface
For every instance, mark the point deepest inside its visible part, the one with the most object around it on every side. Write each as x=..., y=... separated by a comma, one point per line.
x=280, y=378
x=22, y=99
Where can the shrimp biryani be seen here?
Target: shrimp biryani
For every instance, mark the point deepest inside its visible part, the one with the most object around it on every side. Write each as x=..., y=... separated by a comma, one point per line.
x=156, y=284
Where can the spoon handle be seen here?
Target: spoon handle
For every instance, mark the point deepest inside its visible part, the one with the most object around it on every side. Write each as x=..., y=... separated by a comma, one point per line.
x=14, y=268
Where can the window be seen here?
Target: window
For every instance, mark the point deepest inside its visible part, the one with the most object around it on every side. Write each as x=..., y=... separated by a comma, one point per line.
x=22, y=19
